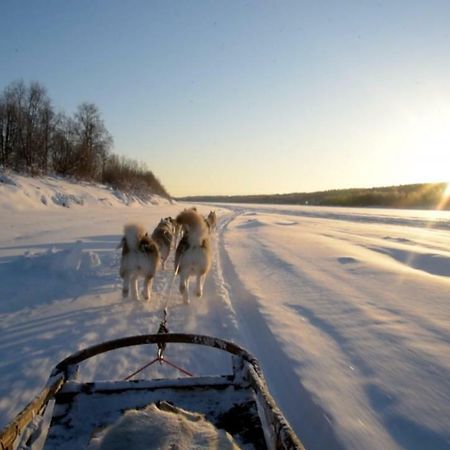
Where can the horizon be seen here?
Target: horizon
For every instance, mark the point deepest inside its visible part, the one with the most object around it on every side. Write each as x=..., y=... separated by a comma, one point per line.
x=250, y=97
x=315, y=192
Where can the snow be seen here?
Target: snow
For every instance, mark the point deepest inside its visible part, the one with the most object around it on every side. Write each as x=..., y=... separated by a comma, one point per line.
x=347, y=310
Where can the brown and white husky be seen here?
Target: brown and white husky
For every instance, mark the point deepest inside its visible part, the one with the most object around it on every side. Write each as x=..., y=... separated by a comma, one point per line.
x=163, y=236
x=193, y=254
x=140, y=258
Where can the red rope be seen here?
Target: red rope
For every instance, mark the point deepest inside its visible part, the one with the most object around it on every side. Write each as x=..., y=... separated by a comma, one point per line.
x=141, y=369
x=161, y=360
x=178, y=368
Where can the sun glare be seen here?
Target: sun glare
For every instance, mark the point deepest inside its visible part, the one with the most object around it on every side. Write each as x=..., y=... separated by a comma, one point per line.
x=447, y=191
x=445, y=200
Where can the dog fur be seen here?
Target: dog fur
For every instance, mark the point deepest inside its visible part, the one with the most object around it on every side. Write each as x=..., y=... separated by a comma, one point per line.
x=179, y=228
x=140, y=258
x=173, y=224
x=211, y=220
x=163, y=236
x=193, y=253
x=178, y=233
x=162, y=425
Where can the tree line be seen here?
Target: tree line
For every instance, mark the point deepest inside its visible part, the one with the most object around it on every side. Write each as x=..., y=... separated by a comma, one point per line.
x=418, y=196
x=37, y=140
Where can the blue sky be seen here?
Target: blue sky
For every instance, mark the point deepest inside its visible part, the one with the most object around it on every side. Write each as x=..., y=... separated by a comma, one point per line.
x=235, y=97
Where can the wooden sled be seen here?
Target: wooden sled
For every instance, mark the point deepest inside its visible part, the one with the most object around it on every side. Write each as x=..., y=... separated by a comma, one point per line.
x=239, y=403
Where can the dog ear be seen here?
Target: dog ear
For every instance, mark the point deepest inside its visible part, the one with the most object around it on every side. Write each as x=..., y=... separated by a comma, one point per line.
x=146, y=247
x=125, y=249
x=121, y=243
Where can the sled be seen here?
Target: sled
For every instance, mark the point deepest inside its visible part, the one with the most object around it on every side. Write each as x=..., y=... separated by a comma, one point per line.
x=66, y=414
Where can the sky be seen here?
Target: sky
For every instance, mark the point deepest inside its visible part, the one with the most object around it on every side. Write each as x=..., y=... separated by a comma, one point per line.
x=249, y=97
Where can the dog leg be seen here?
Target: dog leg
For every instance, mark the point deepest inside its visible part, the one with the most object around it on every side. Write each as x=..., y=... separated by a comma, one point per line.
x=186, y=298
x=134, y=287
x=184, y=287
x=147, y=292
x=125, y=286
x=200, y=283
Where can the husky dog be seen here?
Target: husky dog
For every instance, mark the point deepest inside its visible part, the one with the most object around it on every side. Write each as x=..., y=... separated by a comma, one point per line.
x=176, y=230
x=140, y=258
x=211, y=220
x=172, y=222
x=193, y=254
x=179, y=228
x=163, y=235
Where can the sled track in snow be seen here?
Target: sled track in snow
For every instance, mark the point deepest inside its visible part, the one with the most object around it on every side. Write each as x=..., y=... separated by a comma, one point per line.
x=307, y=418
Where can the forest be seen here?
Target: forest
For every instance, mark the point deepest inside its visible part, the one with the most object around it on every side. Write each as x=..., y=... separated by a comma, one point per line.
x=35, y=139
x=417, y=196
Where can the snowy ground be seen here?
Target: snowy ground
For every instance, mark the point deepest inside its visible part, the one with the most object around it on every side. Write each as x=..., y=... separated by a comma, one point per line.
x=347, y=310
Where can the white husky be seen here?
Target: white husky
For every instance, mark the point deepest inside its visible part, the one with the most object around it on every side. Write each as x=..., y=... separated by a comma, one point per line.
x=140, y=258
x=193, y=254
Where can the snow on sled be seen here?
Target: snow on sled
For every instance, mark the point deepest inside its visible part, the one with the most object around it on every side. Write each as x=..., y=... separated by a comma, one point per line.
x=225, y=411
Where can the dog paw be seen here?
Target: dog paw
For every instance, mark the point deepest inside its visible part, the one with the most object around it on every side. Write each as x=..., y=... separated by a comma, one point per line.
x=199, y=294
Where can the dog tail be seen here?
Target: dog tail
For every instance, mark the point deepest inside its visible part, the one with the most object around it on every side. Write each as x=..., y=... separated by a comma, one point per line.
x=191, y=220
x=133, y=234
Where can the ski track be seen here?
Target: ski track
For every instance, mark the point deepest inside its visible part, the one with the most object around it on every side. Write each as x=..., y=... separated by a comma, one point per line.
x=300, y=408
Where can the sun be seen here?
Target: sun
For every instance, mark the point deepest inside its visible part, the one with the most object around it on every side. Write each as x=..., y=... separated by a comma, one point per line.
x=446, y=193
x=445, y=199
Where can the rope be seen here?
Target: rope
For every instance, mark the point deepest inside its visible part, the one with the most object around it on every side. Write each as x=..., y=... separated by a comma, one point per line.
x=163, y=329
x=178, y=368
x=160, y=360
x=169, y=293
x=141, y=369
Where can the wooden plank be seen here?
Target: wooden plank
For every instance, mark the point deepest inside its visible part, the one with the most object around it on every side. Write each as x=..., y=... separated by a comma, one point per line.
x=280, y=435
x=9, y=434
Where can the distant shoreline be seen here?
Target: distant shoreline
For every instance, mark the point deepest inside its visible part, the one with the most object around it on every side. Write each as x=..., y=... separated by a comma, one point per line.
x=429, y=196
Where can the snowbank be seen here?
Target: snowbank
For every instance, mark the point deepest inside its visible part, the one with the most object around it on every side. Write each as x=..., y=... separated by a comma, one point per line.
x=20, y=193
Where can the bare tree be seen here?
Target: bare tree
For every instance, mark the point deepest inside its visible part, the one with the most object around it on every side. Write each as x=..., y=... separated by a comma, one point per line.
x=63, y=154
x=12, y=101
x=93, y=141
x=129, y=175
x=25, y=126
